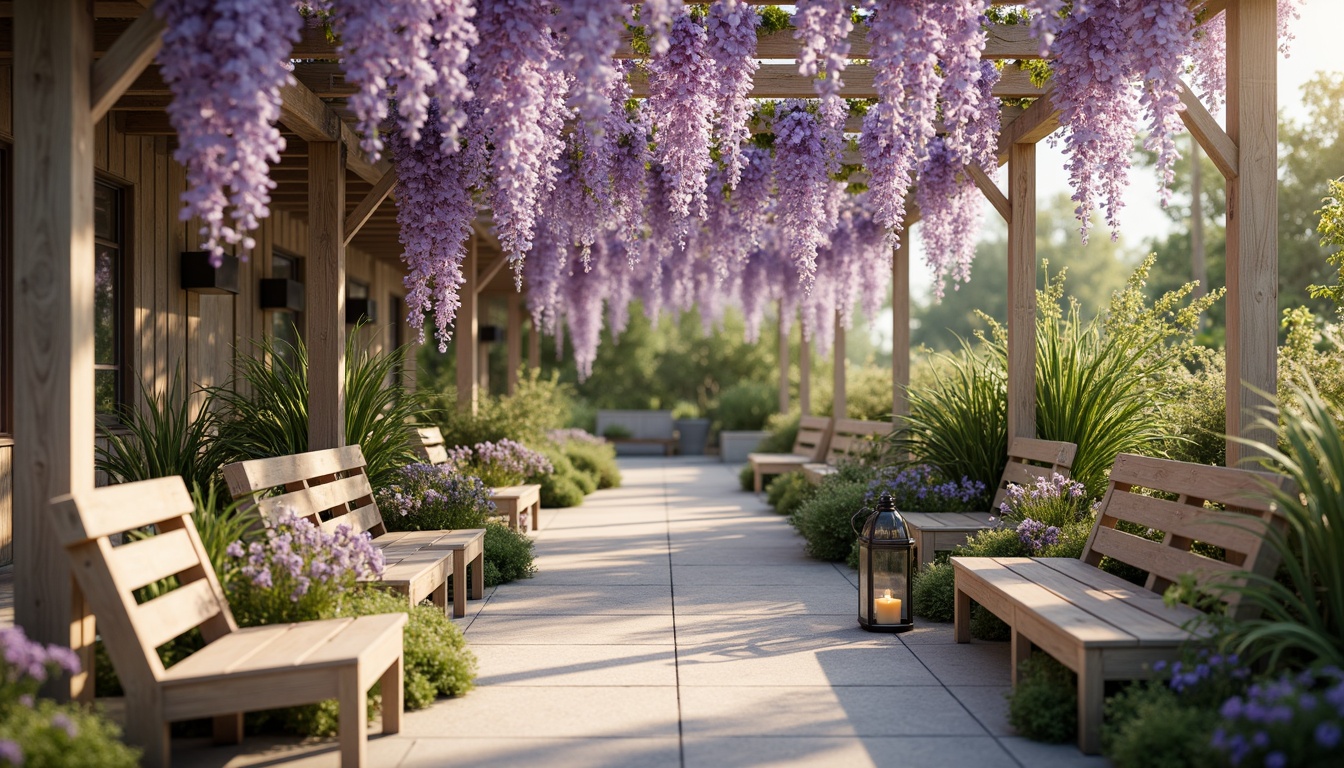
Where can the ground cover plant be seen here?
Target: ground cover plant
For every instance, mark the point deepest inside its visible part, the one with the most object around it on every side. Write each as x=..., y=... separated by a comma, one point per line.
x=40, y=733
x=499, y=463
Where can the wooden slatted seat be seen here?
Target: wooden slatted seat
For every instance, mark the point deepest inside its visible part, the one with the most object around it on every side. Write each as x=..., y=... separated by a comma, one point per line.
x=331, y=489
x=849, y=438
x=512, y=502
x=814, y=436
x=1101, y=626
x=1028, y=460
x=238, y=670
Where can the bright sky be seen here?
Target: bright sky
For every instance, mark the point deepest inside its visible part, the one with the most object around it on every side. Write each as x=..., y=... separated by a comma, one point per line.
x=1315, y=48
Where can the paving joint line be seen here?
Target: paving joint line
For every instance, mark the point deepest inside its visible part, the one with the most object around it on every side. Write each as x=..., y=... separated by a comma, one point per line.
x=672, y=592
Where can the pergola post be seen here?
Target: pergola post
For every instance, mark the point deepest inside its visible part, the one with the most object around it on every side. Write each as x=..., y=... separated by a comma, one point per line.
x=1252, y=223
x=839, y=401
x=482, y=347
x=53, y=315
x=783, y=362
x=324, y=313
x=533, y=345
x=805, y=376
x=466, y=332
x=514, y=338
x=1022, y=291
x=900, y=328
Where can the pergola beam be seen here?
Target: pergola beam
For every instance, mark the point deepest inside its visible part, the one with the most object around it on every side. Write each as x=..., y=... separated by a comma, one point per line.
x=369, y=205
x=125, y=60
x=1038, y=121
x=1211, y=137
x=990, y=190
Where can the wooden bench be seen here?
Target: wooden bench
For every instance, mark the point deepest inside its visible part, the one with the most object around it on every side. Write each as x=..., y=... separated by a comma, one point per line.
x=331, y=489
x=814, y=436
x=512, y=502
x=238, y=670
x=1028, y=460
x=849, y=438
x=653, y=428
x=1101, y=626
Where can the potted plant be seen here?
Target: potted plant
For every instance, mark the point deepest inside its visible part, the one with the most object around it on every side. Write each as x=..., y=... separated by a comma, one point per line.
x=692, y=429
x=743, y=410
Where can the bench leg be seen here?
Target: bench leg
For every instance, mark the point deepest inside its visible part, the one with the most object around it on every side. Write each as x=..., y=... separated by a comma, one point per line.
x=536, y=517
x=1091, y=700
x=394, y=702
x=227, y=729
x=439, y=596
x=353, y=703
x=146, y=728
x=757, y=473
x=477, y=578
x=1021, y=651
x=459, y=584
x=513, y=519
x=961, y=617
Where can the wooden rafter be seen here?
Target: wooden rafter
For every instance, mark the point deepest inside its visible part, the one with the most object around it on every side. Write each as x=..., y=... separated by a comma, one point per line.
x=991, y=191
x=1038, y=121
x=489, y=271
x=1211, y=136
x=125, y=60
x=369, y=205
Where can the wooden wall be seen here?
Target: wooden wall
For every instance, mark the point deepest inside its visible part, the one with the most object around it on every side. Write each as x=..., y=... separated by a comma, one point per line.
x=172, y=331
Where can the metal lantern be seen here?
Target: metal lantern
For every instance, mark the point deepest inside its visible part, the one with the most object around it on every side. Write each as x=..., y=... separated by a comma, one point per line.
x=886, y=568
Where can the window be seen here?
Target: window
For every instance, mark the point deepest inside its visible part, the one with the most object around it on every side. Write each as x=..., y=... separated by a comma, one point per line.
x=285, y=325
x=6, y=314
x=109, y=310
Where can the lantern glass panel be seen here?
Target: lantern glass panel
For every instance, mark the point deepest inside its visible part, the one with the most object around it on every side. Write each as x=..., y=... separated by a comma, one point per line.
x=865, y=596
x=889, y=579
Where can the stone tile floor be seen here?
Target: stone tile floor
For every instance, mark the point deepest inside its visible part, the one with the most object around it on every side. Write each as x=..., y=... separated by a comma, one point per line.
x=677, y=622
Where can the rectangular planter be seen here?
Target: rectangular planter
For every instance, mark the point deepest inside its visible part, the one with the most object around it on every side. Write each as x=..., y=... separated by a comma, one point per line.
x=734, y=446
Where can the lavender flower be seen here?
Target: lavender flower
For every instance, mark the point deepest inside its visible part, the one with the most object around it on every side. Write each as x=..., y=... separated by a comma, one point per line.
x=1055, y=500
x=62, y=721
x=11, y=753
x=297, y=556
x=1037, y=535
x=430, y=497
x=1291, y=720
x=918, y=488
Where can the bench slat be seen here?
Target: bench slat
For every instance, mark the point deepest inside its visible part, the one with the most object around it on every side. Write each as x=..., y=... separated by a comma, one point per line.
x=145, y=561
x=1240, y=488
x=1104, y=606
x=1143, y=599
x=169, y=615
x=1053, y=452
x=254, y=475
x=1167, y=562
x=312, y=501
x=1236, y=532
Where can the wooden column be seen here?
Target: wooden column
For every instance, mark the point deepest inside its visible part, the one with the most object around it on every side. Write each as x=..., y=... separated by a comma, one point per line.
x=53, y=314
x=1252, y=224
x=839, y=402
x=514, y=338
x=324, y=286
x=482, y=348
x=783, y=362
x=900, y=328
x=1022, y=291
x=805, y=376
x=466, y=333
x=533, y=345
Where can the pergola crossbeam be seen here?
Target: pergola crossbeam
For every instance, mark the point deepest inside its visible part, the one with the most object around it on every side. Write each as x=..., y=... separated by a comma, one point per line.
x=1038, y=121
x=369, y=205
x=991, y=191
x=1211, y=136
x=125, y=60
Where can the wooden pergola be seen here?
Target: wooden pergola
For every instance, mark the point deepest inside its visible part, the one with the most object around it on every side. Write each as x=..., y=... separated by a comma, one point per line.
x=76, y=63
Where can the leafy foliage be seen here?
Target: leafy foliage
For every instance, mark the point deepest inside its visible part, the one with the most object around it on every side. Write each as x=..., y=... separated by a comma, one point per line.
x=437, y=661
x=538, y=405
x=787, y=492
x=746, y=405
x=1044, y=705
x=425, y=497
x=934, y=591
x=1331, y=229
x=824, y=519
x=598, y=461
x=508, y=554
x=264, y=409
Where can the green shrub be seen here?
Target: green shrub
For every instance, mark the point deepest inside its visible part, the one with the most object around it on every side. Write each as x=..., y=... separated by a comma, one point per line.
x=935, y=592
x=747, y=405
x=537, y=406
x=43, y=733
x=596, y=460
x=868, y=390
x=168, y=436
x=746, y=478
x=559, y=491
x=787, y=492
x=508, y=554
x=824, y=519
x=1147, y=725
x=783, y=428
x=264, y=409
x=426, y=497
x=437, y=661
x=1044, y=705
x=617, y=432
x=585, y=482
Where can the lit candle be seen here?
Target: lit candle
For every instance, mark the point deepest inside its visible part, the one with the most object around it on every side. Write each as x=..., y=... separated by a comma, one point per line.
x=888, y=609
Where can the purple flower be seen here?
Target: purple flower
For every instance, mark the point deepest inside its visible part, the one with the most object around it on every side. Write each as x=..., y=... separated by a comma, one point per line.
x=63, y=721
x=11, y=753
x=1327, y=735
x=1276, y=760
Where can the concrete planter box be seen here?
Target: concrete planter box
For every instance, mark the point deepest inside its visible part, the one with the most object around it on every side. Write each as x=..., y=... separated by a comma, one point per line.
x=734, y=446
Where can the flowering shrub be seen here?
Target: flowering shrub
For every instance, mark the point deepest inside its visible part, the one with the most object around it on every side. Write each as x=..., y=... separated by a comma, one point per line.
x=500, y=462
x=919, y=488
x=574, y=435
x=1037, y=535
x=39, y=732
x=1294, y=720
x=425, y=497
x=298, y=572
x=1055, y=501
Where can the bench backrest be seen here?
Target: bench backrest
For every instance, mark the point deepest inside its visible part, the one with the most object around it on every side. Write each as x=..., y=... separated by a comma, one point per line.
x=1029, y=460
x=1186, y=520
x=814, y=437
x=109, y=576
x=853, y=437
x=432, y=447
x=644, y=425
x=328, y=487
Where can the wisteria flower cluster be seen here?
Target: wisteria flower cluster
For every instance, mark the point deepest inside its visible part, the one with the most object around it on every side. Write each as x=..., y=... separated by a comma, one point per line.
x=1056, y=500
x=919, y=488
x=1297, y=719
x=683, y=91
x=298, y=570
x=434, y=497
x=574, y=435
x=731, y=26
x=1037, y=535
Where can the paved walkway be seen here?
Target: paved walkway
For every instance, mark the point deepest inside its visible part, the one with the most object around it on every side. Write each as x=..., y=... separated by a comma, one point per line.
x=676, y=622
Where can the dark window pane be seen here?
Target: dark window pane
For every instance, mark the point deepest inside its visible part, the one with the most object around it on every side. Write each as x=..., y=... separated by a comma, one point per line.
x=105, y=307
x=285, y=335
x=356, y=290
x=106, y=216
x=283, y=268
x=105, y=392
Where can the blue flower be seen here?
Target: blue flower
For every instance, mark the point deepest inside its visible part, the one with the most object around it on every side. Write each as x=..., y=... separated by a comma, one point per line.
x=1328, y=735
x=1276, y=759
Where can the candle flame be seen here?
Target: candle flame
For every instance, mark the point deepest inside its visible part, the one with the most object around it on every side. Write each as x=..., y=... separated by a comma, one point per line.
x=887, y=593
